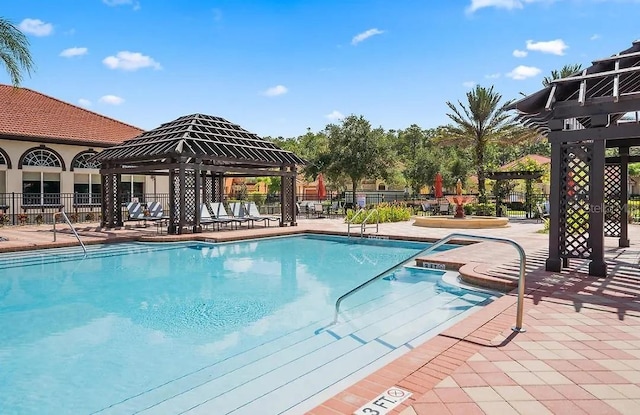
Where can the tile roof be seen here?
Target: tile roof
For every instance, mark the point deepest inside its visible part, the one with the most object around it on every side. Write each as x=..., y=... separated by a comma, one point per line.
x=542, y=160
x=31, y=114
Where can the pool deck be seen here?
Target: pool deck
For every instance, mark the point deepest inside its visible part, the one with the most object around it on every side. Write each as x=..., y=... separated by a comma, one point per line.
x=579, y=355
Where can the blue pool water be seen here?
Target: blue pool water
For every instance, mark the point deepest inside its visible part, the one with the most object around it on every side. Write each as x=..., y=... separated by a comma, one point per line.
x=133, y=327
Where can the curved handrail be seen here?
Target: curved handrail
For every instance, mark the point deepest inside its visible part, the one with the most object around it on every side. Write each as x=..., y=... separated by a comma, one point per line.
x=363, y=225
x=350, y=221
x=66, y=218
x=521, y=281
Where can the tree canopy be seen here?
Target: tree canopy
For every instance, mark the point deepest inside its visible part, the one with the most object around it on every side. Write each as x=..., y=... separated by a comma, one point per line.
x=14, y=52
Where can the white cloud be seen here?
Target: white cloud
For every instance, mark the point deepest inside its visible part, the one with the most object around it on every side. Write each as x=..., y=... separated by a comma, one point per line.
x=493, y=76
x=520, y=53
x=111, y=100
x=85, y=102
x=469, y=84
x=523, y=72
x=334, y=115
x=554, y=47
x=365, y=35
x=595, y=37
x=36, y=27
x=274, y=91
x=71, y=52
x=113, y=3
x=130, y=61
x=498, y=4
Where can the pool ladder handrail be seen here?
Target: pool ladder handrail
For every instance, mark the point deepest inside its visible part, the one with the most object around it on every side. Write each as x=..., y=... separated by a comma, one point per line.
x=363, y=225
x=521, y=281
x=66, y=219
x=351, y=221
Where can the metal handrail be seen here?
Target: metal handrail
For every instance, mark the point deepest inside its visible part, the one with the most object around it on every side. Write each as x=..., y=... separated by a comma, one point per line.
x=521, y=281
x=66, y=219
x=363, y=225
x=350, y=222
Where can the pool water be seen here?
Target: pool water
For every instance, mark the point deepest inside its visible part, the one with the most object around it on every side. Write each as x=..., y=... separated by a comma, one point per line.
x=137, y=328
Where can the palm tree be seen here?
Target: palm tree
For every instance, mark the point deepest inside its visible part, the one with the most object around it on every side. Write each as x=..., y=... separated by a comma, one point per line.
x=567, y=70
x=14, y=51
x=479, y=123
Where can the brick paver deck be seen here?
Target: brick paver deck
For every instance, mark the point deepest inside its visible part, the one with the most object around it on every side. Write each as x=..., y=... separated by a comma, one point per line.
x=579, y=355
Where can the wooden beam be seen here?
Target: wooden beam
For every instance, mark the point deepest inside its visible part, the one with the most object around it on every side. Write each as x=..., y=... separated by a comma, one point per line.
x=614, y=132
x=594, y=106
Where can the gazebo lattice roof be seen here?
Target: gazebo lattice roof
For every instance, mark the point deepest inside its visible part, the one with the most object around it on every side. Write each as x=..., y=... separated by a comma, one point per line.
x=213, y=140
x=615, y=79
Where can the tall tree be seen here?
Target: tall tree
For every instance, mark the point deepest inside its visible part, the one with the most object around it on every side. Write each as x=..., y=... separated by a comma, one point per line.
x=567, y=70
x=358, y=151
x=14, y=51
x=478, y=123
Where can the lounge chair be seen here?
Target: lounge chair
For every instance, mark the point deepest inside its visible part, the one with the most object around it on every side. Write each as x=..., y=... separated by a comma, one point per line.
x=207, y=220
x=219, y=212
x=155, y=211
x=135, y=212
x=254, y=214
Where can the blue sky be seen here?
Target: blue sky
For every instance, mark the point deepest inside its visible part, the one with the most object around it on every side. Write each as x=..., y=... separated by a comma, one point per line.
x=277, y=67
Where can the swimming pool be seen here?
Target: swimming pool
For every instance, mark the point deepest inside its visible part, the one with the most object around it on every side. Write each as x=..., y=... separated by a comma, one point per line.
x=208, y=328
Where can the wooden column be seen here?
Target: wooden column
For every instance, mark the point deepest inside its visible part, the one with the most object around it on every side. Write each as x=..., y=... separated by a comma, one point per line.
x=554, y=262
x=597, y=266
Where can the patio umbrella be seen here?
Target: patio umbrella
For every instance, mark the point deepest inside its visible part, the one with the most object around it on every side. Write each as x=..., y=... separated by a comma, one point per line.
x=438, y=186
x=322, y=190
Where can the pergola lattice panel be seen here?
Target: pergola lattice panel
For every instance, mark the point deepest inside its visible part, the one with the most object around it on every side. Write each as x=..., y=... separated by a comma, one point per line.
x=288, y=210
x=574, y=200
x=612, y=200
x=112, y=215
x=189, y=193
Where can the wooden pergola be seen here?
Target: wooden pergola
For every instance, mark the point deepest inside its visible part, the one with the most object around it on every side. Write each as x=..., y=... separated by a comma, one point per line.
x=197, y=152
x=583, y=115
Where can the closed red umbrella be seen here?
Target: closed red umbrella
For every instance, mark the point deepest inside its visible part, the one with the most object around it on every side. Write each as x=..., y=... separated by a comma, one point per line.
x=438, y=186
x=322, y=190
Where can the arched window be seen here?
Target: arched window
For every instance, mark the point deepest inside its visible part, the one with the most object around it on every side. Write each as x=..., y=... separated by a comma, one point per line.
x=87, y=186
x=41, y=177
x=5, y=164
x=82, y=161
x=382, y=186
x=41, y=157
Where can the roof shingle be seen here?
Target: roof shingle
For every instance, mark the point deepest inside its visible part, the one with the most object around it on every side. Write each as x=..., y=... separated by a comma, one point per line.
x=31, y=114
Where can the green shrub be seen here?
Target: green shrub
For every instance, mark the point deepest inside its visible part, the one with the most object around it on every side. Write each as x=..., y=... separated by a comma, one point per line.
x=469, y=209
x=386, y=213
x=482, y=209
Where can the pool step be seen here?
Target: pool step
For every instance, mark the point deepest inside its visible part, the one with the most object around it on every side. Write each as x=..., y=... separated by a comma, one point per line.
x=372, y=310
x=264, y=383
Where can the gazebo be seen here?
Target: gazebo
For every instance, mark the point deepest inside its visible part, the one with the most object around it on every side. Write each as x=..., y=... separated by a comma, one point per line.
x=197, y=152
x=583, y=115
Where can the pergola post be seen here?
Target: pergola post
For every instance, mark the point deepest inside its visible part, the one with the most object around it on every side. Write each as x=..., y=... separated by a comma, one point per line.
x=623, y=242
x=173, y=207
x=554, y=263
x=294, y=197
x=597, y=266
x=197, y=195
x=181, y=187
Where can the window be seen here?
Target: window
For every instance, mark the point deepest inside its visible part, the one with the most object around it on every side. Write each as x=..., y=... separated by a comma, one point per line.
x=132, y=186
x=82, y=161
x=41, y=178
x=41, y=157
x=40, y=188
x=87, y=189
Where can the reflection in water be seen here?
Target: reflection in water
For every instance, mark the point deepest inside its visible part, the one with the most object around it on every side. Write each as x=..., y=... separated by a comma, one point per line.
x=141, y=318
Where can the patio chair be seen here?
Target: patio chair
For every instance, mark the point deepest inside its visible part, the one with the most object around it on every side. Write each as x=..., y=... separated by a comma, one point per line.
x=219, y=212
x=444, y=208
x=155, y=211
x=542, y=213
x=207, y=220
x=136, y=213
x=254, y=214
